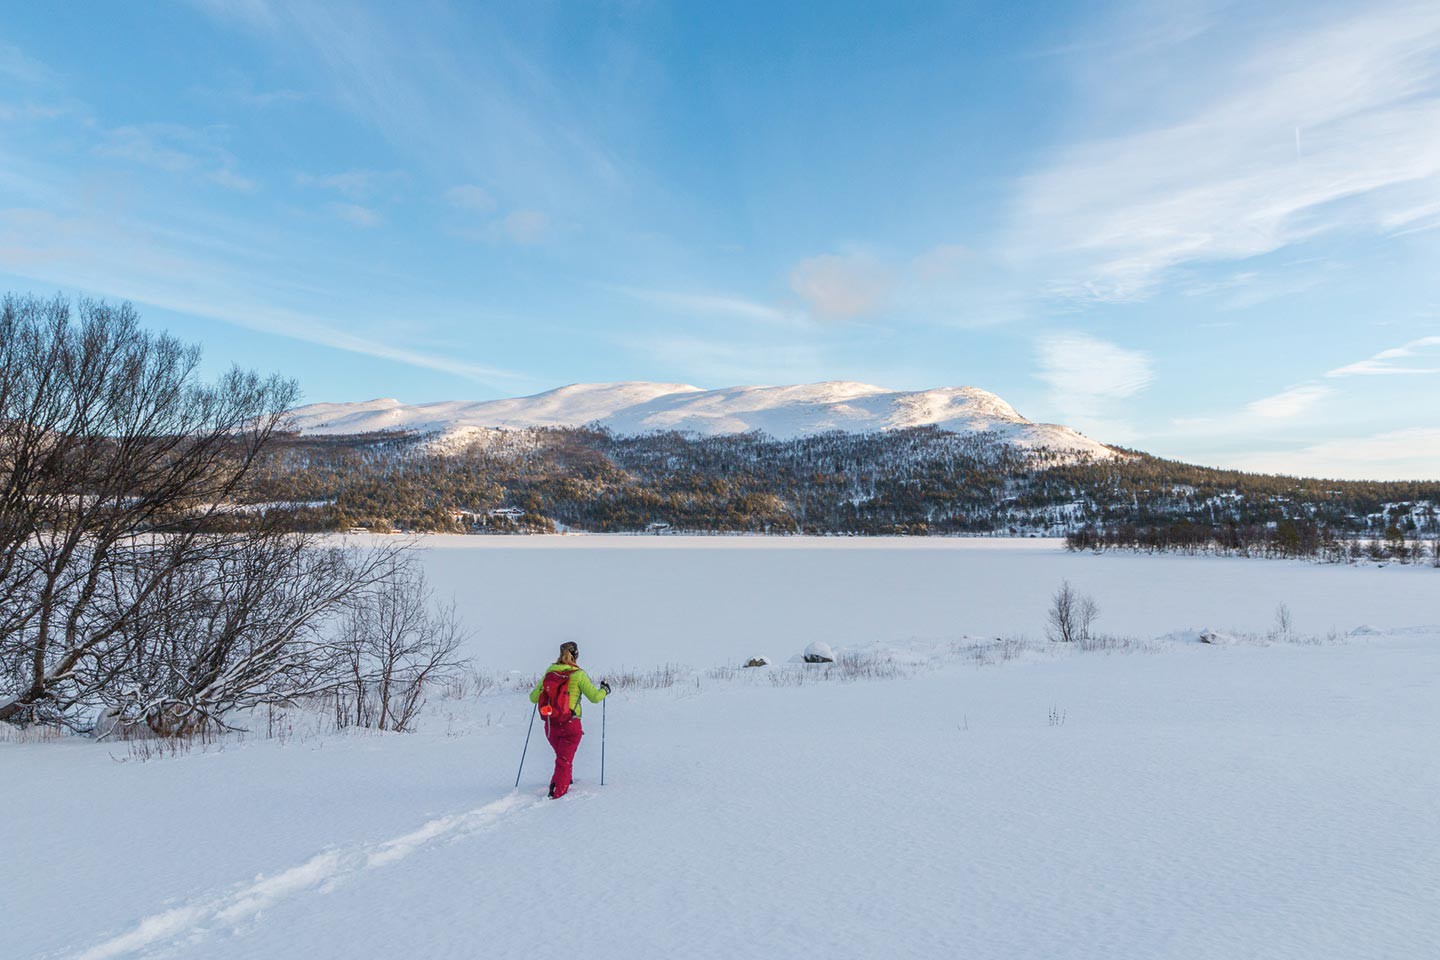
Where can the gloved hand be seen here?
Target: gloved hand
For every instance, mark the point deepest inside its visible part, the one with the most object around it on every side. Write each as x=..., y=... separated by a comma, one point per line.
x=605, y=685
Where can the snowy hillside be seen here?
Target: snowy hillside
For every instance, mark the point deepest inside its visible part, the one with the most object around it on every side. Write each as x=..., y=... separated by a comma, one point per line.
x=783, y=412
x=941, y=793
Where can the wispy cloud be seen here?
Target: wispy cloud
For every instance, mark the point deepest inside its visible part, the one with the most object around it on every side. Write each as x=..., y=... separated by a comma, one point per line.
x=468, y=196
x=1389, y=363
x=724, y=305
x=1079, y=366
x=728, y=361
x=1306, y=129
x=134, y=261
x=1289, y=404
x=524, y=227
x=22, y=68
x=842, y=286
x=1088, y=378
x=511, y=128
x=1409, y=454
x=947, y=284
x=258, y=14
x=356, y=214
x=1245, y=288
x=239, y=88
x=267, y=98
x=176, y=149
x=959, y=286
x=1266, y=416
x=482, y=221
x=355, y=184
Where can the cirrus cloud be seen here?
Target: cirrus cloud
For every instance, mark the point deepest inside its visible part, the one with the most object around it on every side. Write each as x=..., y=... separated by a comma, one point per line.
x=1385, y=363
x=1289, y=403
x=1332, y=124
x=1088, y=377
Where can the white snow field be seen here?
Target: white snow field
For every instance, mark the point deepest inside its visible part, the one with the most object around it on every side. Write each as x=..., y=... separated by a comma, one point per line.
x=643, y=600
x=971, y=798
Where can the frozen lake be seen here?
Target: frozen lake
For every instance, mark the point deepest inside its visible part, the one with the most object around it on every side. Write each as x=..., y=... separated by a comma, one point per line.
x=705, y=600
x=1188, y=801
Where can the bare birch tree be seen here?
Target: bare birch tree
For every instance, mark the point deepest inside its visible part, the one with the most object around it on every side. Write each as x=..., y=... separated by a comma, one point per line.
x=115, y=459
x=397, y=644
x=1071, y=615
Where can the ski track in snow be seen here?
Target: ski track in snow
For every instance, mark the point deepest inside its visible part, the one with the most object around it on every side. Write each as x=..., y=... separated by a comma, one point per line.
x=324, y=872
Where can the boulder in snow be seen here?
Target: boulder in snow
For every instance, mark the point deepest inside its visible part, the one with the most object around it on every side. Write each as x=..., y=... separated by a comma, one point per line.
x=819, y=652
x=758, y=662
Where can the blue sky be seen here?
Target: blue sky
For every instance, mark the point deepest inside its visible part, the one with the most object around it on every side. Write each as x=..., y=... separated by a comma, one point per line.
x=1207, y=231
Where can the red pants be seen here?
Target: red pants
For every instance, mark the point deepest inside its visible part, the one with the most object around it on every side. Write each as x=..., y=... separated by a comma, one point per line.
x=565, y=739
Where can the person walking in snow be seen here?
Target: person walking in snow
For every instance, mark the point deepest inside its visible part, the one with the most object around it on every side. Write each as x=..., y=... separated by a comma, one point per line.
x=557, y=697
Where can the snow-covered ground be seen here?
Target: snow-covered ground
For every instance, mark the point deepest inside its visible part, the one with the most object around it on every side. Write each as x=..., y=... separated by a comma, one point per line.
x=975, y=798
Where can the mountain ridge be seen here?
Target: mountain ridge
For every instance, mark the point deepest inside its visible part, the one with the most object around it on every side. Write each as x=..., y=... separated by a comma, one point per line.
x=639, y=407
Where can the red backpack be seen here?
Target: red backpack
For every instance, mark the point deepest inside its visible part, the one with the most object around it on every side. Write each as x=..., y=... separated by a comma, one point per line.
x=555, y=697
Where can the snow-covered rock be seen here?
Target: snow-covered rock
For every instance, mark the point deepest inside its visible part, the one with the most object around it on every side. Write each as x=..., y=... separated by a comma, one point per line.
x=819, y=652
x=783, y=412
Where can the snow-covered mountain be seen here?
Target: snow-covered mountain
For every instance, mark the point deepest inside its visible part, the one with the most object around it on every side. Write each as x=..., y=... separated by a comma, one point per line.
x=783, y=412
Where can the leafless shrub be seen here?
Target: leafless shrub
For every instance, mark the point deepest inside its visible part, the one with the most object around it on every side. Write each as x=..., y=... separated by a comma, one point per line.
x=1283, y=630
x=33, y=734
x=1072, y=616
x=847, y=667
x=469, y=683
x=256, y=624
x=657, y=678
x=517, y=682
x=1057, y=717
x=143, y=750
x=790, y=677
x=277, y=723
x=142, y=745
x=1010, y=647
x=397, y=644
x=863, y=667
x=1106, y=641
x=986, y=652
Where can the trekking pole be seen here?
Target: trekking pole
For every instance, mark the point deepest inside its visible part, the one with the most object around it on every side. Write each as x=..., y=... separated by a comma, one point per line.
x=527, y=744
x=602, y=741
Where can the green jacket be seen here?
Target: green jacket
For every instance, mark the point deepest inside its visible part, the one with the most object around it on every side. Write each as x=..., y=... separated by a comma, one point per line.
x=579, y=683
